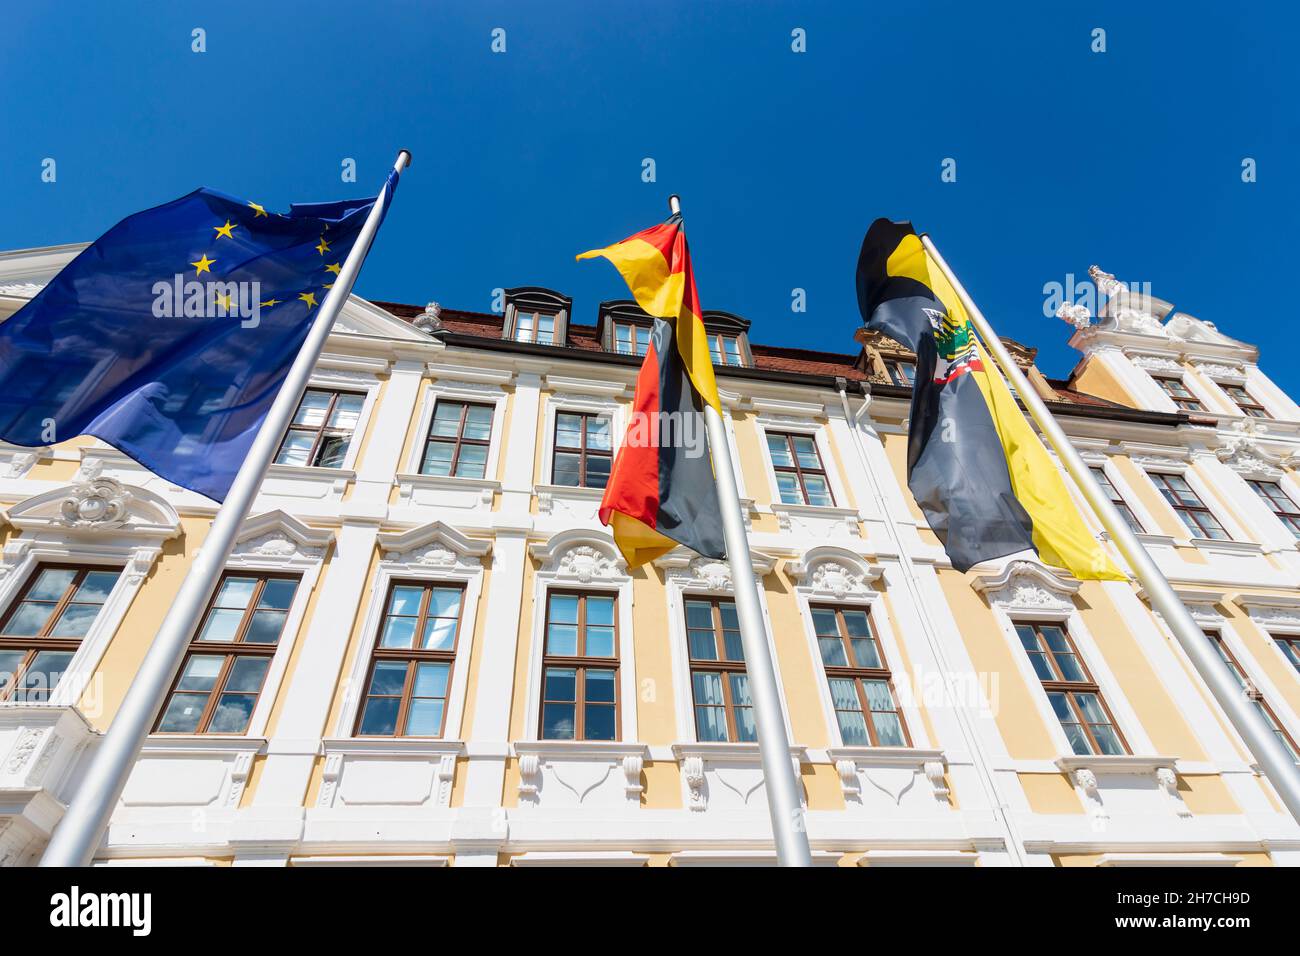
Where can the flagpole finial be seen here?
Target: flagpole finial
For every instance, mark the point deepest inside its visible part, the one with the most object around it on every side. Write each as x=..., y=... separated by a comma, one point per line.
x=675, y=204
x=403, y=159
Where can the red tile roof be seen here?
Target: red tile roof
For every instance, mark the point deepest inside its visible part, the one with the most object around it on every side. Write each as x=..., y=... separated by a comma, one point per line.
x=770, y=357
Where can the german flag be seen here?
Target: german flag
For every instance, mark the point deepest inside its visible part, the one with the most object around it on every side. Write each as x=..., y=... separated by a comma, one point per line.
x=974, y=465
x=661, y=492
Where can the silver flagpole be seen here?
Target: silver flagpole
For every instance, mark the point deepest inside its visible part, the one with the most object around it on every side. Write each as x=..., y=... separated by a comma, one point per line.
x=77, y=836
x=1260, y=740
x=779, y=779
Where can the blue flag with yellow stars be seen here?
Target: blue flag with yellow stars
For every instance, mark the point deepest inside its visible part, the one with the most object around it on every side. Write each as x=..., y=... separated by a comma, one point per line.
x=170, y=336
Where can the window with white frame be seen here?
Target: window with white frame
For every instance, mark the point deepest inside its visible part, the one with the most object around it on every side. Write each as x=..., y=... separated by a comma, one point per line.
x=459, y=439
x=1191, y=510
x=1289, y=645
x=861, y=684
x=1245, y=402
x=720, y=696
x=1074, y=696
x=1099, y=472
x=801, y=477
x=580, y=658
x=222, y=675
x=1279, y=502
x=582, y=450
x=1178, y=392
x=725, y=349
x=631, y=338
x=43, y=628
x=1253, y=693
x=322, y=429
x=409, y=678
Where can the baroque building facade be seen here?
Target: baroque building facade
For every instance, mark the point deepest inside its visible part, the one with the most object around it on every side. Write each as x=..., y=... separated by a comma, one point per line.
x=425, y=649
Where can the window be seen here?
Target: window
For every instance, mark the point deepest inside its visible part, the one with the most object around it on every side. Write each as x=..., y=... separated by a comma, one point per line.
x=406, y=689
x=901, y=372
x=1120, y=504
x=1261, y=704
x=1198, y=518
x=1177, y=391
x=44, y=627
x=800, y=477
x=580, y=668
x=861, y=686
x=1291, y=648
x=725, y=349
x=322, y=429
x=1244, y=401
x=459, y=437
x=1075, y=697
x=719, y=684
x=536, y=327
x=223, y=673
x=631, y=338
x=583, y=451
x=1279, y=502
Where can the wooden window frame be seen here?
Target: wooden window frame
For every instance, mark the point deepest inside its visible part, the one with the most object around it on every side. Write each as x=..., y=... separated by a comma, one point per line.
x=1062, y=685
x=893, y=367
x=719, y=339
x=633, y=328
x=584, y=452
x=858, y=673
x=1122, y=506
x=799, y=470
x=411, y=656
x=580, y=663
x=34, y=644
x=1248, y=404
x=1248, y=686
x=231, y=650
x=1187, y=513
x=535, y=316
x=1290, y=519
x=324, y=431
x=719, y=665
x=1289, y=645
x=460, y=439
x=1184, y=398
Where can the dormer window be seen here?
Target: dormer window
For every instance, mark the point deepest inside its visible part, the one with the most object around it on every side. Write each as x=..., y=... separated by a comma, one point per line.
x=536, y=316
x=536, y=327
x=725, y=349
x=901, y=372
x=631, y=338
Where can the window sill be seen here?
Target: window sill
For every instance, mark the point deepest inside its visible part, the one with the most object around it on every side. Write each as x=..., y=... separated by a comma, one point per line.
x=1227, y=547
x=388, y=746
x=1120, y=763
x=203, y=743
x=570, y=491
x=886, y=756
x=726, y=752
x=480, y=489
x=816, y=518
x=311, y=471
x=599, y=749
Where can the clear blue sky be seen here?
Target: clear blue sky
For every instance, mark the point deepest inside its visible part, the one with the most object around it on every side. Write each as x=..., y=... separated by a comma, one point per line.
x=1131, y=158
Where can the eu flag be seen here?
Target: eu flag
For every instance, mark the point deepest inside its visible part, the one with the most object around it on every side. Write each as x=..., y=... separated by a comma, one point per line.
x=170, y=336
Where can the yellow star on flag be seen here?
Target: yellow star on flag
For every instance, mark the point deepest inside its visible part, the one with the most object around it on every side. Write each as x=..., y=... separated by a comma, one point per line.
x=203, y=265
x=324, y=246
x=334, y=268
x=224, y=302
x=257, y=210
x=225, y=230
x=309, y=298
x=270, y=302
